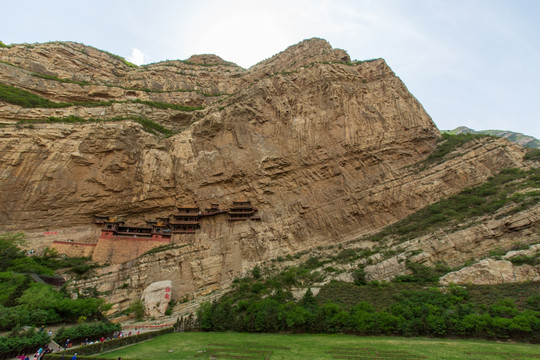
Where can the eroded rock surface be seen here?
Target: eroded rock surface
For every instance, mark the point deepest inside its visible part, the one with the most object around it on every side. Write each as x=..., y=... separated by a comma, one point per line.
x=321, y=146
x=491, y=271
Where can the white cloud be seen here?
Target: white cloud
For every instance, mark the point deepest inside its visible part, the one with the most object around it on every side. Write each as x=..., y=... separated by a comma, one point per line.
x=137, y=57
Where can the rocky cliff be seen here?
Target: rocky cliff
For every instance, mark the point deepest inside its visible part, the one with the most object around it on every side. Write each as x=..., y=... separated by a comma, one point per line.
x=324, y=147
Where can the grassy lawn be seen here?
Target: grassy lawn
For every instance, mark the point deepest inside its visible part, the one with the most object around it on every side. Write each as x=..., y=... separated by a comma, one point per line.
x=313, y=347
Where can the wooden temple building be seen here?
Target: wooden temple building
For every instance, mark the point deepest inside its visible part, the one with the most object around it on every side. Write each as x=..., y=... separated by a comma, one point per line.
x=213, y=210
x=187, y=220
x=242, y=210
x=156, y=230
x=119, y=242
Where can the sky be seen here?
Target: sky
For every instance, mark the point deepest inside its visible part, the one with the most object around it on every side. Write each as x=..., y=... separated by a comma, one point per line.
x=472, y=63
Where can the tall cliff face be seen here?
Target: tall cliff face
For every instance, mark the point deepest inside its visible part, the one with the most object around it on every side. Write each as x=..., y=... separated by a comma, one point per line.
x=320, y=145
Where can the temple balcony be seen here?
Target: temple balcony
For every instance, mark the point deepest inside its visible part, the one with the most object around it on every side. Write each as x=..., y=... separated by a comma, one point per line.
x=197, y=214
x=184, y=222
x=244, y=212
x=133, y=234
x=184, y=231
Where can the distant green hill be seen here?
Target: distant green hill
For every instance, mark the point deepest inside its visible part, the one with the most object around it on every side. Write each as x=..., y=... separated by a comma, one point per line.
x=518, y=138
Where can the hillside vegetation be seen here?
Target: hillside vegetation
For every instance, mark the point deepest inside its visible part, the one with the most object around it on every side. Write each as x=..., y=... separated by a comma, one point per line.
x=515, y=137
x=412, y=304
x=24, y=302
x=260, y=304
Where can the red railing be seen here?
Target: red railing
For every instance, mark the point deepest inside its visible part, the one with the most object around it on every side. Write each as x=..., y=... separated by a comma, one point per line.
x=72, y=243
x=134, y=326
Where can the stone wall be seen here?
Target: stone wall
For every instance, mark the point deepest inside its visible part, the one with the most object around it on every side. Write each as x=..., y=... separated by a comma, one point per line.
x=119, y=249
x=73, y=249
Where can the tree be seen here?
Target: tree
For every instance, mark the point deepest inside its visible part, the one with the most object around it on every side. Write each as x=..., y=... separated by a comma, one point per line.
x=308, y=300
x=256, y=272
x=295, y=316
x=137, y=308
x=10, y=244
x=204, y=314
x=40, y=296
x=359, y=276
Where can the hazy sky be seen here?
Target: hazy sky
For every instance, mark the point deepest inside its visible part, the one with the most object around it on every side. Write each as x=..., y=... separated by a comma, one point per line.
x=469, y=62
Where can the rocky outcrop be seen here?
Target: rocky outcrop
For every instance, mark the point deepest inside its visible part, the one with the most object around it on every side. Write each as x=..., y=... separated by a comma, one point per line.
x=491, y=271
x=457, y=247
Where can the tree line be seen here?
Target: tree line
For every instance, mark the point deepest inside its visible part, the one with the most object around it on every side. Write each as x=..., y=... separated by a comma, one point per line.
x=431, y=312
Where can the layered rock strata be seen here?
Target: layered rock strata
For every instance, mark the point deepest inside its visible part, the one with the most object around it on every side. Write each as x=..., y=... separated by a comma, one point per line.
x=324, y=147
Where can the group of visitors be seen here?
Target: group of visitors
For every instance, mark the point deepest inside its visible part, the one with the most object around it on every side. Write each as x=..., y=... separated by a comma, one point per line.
x=38, y=354
x=116, y=335
x=68, y=344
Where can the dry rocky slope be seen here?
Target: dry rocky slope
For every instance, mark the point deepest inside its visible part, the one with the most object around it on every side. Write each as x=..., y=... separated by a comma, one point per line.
x=321, y=145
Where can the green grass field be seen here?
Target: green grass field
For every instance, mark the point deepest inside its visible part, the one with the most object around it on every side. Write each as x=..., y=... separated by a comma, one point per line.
x=232, y=346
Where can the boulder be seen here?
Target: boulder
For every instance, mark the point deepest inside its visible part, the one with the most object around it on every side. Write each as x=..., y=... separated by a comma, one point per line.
x=156, y=298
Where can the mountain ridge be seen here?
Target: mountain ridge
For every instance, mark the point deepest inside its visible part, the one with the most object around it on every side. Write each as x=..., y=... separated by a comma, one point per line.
x=515, y=137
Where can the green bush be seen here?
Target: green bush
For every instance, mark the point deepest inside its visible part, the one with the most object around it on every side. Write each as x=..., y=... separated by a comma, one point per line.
x=422, y=273
x=533, y=302
x=256, y=272
x=26, y=99
x=25, y=342
x=432, y=312
x=162, y=105
x=153, y=127
x=10, y=250
x=41, y=304
x=137, y=308
x=82, y=332
x=11, y=317
x=532, y=154
x=11, y=287
x=148, y=125
x=359, y=276
x=532, y=260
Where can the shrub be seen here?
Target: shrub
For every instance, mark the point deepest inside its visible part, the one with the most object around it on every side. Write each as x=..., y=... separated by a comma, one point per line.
x=256, y=272
x=81, y=332
x=11, y=287
x=532, y=154
x=10, y=244
x=26, y=99
x=26, y=342
x=533, y=302
x=359, y=276
x=137, y=308
x=161, y=105
x=532, y=260
x=422, y=273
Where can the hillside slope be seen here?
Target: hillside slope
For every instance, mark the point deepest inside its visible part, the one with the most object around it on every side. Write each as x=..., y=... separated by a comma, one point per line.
x=518, y=138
